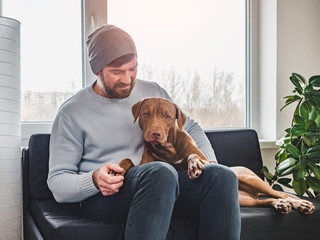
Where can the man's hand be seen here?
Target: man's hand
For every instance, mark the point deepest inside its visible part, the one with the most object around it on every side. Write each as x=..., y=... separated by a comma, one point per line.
x=107, y=183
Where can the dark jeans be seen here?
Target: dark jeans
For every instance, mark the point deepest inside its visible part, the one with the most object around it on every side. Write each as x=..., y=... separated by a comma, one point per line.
x=151, y=192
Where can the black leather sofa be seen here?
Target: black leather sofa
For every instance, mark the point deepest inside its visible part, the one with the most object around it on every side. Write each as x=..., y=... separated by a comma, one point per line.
x=44, y=218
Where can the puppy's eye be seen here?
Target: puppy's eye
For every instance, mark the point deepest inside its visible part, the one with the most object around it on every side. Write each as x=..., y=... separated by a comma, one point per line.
x=147, y=114
x=167, y=117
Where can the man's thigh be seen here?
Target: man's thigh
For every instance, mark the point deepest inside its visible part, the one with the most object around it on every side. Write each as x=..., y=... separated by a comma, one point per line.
x=194, y=192
x=188, y=202
x=116, y=207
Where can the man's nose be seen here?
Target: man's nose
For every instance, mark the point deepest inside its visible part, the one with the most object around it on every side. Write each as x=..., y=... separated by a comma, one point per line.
x=126, y=78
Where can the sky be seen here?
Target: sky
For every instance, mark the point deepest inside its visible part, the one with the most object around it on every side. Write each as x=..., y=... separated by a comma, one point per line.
x=50, y=42
x=185, y=35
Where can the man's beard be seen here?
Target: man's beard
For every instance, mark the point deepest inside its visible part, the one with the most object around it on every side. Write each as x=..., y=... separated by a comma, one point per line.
x=112, y=92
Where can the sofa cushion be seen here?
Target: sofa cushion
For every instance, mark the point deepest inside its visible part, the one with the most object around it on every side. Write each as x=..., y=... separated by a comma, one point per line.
x=242, y=143
x=61, y=221
x=267, y=223
x=38, y=167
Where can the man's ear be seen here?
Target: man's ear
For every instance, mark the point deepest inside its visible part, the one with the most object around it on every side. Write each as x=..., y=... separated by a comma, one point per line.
x=181, y=118
x=136, y=109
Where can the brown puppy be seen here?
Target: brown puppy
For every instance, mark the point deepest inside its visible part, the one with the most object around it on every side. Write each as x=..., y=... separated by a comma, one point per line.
x=165, y=140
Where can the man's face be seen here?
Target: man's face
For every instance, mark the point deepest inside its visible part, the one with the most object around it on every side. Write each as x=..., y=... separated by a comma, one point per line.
x=119, y=81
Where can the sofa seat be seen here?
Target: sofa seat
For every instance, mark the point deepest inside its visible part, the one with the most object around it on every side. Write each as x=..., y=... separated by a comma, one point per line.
x=267, y=223
x=61, y=222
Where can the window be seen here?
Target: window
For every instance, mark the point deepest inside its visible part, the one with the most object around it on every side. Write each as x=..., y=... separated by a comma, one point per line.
x=50, y=54
x=195, y=50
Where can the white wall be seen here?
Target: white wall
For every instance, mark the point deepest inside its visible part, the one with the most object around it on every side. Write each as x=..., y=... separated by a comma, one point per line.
x=298, y=47
x=294, y=48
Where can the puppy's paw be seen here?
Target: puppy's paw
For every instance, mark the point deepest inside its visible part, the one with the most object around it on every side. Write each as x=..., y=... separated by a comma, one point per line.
x=282, y=206
x=195, y=166
x=303, y=206
x=125, y=164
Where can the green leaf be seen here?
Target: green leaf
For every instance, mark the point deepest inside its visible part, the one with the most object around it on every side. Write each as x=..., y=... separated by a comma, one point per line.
x=309, y=124
x=296, y=83
x=310, y=139
x=277, y=187
x=304, y=110
x=293, y=150
x=287, y=171
x=287, y=130
x=301, y=170
x=287, y=139
x=300, y=186
x=277, y=155
x=286, y=164
x=287, y=103
x=314, y=113
x=313, y=153
x=313, y=96
x=315, y=170
x=314, y=93
x=285, y=182
x=308, y=88
x=299, y=120
x=290, y=99
x=266, y=173
x=314, y=183
x=283, y=157
x=303, y=147
x=298, y=130
x=315, y=81
x=299, y=77
x=318, y=121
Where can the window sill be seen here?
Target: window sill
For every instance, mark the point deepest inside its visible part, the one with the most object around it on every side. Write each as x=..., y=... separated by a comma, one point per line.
x=267, y=144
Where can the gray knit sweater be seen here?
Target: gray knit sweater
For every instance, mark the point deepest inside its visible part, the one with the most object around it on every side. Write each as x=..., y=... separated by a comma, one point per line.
x=90, y=131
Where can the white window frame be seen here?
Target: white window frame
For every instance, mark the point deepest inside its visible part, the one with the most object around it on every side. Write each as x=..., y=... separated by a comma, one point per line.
x=94, y=14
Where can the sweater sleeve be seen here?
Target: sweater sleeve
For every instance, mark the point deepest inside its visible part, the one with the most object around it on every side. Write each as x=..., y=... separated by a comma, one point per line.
x=196, y=132
x=200, y=138
x=66, y=149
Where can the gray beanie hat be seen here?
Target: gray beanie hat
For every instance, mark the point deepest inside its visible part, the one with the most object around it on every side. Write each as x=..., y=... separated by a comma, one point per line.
x=106, y=44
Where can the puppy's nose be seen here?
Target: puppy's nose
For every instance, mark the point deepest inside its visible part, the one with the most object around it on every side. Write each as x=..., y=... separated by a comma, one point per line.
x=156, y=134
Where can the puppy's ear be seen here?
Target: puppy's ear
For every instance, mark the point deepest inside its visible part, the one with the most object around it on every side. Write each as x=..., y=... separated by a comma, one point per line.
x=136, y=109
x=181, y=118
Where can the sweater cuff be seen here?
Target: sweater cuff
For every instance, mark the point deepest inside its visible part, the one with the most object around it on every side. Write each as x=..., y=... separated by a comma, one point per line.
x=88, y=185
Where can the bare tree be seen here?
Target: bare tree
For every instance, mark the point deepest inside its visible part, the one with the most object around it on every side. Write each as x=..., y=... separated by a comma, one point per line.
x=214, y=101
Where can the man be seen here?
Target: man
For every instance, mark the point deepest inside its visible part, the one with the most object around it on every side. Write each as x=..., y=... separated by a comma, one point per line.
x=94, y=130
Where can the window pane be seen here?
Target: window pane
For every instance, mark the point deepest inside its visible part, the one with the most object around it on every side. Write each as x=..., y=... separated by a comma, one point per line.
x=194, y=49
x=50, y=54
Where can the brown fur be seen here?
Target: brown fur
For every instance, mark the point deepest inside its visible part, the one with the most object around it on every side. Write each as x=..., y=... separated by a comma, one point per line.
x=165, y=140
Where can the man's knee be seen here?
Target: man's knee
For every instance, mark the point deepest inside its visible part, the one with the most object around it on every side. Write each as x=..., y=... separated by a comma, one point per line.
x=220, y=175
x=162, y=176
x=162, y=170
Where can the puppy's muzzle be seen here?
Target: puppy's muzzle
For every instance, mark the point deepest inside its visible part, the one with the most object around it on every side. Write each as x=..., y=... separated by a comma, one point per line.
x=155, y=136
